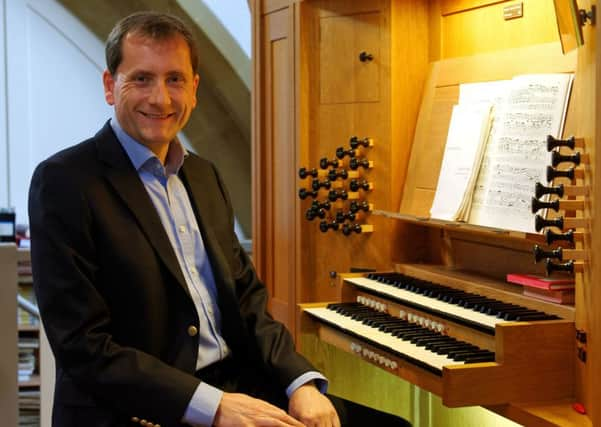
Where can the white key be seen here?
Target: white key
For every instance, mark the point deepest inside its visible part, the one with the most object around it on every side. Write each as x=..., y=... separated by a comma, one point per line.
x=426, y=302
x=374, y=335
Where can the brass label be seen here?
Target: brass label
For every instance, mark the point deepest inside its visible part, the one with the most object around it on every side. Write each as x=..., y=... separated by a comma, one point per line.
x=513, y=11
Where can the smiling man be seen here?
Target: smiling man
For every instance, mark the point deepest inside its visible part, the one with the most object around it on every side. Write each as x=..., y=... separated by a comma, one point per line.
x=153, y=311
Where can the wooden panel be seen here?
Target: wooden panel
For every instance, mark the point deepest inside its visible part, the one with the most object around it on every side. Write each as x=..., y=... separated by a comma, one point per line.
x=331, y=125
x=522, y=372
x=283, y=181
x=426, y=157
x=484, y=30
x=402, y=58
x=410, y=41
x=343, y=77
x=588, y=293
x=274, y=214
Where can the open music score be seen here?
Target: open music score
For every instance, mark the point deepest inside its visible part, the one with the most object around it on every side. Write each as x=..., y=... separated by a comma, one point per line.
x=509, y=156
x=465, y=353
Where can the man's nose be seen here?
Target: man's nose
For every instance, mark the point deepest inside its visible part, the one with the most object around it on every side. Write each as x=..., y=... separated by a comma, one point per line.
x=159, y=94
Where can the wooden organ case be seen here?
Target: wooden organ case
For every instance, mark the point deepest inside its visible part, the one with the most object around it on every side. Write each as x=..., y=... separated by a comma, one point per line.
x=388, y=71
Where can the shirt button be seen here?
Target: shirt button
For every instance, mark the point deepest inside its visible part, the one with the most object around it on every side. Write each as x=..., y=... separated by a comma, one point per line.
x=193, y=270
x=192, y=330
x=182, y=228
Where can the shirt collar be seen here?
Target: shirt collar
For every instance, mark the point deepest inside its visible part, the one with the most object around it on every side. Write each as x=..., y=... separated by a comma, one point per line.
x=139, y=154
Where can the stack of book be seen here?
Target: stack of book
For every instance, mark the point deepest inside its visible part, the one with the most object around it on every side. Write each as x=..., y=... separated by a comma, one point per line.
x=29, y=408
x=25, y=318
x=557, y=290
x=28, y=350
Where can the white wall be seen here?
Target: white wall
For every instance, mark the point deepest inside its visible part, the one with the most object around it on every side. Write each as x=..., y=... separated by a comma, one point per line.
x=54, y=95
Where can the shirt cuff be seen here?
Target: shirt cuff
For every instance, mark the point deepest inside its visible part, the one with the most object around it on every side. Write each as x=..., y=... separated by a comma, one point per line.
x=321, y=382
x=203, y=406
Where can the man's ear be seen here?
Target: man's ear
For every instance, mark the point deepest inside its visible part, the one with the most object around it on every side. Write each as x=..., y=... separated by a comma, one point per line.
x=109, y=86
x=195, y=84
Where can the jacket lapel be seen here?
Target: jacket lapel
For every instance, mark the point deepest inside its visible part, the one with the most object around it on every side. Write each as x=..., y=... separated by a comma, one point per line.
x=126, y=183
x=196, y=183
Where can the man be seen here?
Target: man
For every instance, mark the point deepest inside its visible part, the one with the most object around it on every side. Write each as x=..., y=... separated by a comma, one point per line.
x=152, y=309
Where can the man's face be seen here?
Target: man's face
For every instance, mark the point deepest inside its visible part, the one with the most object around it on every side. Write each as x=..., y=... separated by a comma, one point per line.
x=153, y=90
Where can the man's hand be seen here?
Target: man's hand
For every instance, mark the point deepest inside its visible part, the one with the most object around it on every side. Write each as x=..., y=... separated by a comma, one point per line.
x=312, y=408
x=236, y=409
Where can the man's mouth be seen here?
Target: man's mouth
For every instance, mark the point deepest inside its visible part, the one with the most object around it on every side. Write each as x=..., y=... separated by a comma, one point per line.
x=157, y=116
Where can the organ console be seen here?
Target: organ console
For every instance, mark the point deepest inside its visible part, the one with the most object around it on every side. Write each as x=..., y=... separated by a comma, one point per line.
x=523, y=358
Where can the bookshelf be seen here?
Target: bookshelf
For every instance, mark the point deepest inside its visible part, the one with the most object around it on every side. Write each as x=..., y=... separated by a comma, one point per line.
x=28, y=326
x=8, y=332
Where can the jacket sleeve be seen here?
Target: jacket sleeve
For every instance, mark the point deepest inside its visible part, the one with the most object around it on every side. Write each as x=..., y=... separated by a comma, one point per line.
x=77, y=319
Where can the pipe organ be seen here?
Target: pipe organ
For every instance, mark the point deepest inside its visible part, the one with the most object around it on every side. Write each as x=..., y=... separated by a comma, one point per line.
x=353, y=102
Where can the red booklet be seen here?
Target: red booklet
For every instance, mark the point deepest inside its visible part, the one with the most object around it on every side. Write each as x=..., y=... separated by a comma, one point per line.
x=559, y=297
x=541, y=282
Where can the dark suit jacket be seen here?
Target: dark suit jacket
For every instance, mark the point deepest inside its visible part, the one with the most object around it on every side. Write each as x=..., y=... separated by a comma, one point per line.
x=113, y=299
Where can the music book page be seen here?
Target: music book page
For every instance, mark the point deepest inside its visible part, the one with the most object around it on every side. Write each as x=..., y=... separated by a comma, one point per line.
x=516, y=157
x=466, y=140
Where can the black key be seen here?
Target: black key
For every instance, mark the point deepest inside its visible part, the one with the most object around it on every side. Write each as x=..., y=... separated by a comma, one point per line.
x=531, y=317
x=489, y=357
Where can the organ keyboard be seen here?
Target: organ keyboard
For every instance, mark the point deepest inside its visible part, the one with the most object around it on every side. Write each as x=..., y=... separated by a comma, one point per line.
x=467, y=339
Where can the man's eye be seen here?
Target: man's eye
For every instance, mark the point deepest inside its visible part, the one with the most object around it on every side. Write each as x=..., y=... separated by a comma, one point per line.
x=176, y=80
x=141, y=79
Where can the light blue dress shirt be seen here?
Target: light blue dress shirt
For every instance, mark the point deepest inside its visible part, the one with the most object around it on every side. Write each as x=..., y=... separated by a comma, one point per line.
x=173, y=206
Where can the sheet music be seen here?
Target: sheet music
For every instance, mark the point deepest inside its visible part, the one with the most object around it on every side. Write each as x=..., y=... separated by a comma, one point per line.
x=466, y=140
x=516, y=157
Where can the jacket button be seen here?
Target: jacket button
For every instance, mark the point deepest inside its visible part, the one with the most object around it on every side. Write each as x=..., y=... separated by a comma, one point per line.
x=143, y=422
x=192, y=331
x=135, y=419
